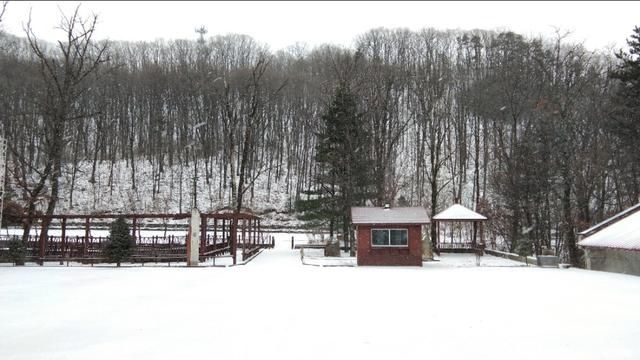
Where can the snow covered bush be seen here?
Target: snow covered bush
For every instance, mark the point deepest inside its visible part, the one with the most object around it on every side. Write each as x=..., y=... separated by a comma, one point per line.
x=17, y=251
x=120, y=245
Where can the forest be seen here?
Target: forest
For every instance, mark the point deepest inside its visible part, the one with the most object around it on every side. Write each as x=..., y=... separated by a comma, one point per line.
x=539, y=134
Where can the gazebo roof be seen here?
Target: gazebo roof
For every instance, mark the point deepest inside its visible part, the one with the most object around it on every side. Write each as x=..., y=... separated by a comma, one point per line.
x=457, y=212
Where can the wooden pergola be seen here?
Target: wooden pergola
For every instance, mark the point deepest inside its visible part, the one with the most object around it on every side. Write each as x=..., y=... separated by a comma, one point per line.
x=230, y=223
x=230, y=230
x=461, y=215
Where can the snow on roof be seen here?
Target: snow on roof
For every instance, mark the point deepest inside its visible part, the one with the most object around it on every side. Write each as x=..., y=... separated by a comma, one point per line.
x=622, y=234
x=614, y=218
x=459, y=212
x=394, y=215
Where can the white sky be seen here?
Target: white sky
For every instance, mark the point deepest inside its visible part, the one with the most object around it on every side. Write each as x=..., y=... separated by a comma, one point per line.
x=280, y=24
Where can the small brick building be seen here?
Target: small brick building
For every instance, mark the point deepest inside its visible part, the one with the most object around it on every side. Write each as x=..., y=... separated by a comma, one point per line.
x=389, y=236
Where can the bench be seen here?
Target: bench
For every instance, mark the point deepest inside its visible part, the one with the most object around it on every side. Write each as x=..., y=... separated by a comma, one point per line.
x=310, y=246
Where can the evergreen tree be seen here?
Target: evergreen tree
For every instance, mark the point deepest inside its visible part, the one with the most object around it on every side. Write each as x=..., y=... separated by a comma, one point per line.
x=17, y=251
x=344, y=166
x=625, y=124
x=120, y=243
x=317, y=210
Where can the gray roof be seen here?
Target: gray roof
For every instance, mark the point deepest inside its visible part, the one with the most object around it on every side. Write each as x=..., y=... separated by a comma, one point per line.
x=394, y=215
x=616, y=233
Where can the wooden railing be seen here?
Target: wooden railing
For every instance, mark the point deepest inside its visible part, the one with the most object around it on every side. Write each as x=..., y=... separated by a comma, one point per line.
x=250, y=249
x=168, y=248
x=455, y=245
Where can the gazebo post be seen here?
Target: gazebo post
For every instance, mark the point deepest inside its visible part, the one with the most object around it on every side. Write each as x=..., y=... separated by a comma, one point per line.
x=133, y=229
x=452, y=229
x=475, y=230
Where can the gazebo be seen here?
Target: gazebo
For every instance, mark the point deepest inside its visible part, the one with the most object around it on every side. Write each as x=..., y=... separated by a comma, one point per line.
x=456, y=219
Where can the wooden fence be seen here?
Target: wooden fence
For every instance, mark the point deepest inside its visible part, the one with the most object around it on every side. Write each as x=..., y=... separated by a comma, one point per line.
x=169, y=248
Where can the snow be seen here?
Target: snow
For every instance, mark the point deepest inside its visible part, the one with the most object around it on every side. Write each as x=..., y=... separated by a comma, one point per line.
x=174, y=191
x=459, y=212
x=604, y=223
x=394, y=215
x=622, y=234
x=277, y=308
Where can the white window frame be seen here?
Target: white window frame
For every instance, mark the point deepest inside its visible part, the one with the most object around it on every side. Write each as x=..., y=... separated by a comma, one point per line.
x=389, y=231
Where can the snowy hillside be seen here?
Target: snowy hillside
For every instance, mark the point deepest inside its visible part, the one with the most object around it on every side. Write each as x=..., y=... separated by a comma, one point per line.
x=174, y=193
x=112, y=192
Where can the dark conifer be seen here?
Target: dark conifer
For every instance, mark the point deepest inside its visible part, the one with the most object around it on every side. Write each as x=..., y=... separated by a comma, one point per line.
x=343, y=156
x=625, y=124
x=120, y=244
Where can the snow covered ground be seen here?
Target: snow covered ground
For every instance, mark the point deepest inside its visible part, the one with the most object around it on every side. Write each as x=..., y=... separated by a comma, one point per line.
x=276, y=308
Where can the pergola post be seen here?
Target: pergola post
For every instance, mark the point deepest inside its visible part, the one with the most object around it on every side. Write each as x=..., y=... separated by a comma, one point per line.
x=193, y=238
x=63, y=240
x=215, y=231
x=251, y=239
x=42, y=246
x=244, y=239
x=85, y=249
x=203, y=234
x=234, y=237
x=224, y=233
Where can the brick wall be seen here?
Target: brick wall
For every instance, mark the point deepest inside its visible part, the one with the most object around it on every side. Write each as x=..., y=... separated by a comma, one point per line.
x=408, y=256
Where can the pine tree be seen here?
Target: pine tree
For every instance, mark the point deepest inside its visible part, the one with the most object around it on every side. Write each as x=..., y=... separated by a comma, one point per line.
x=17, y=251
x=625, y=123
x=120, y=244
x=343, y=156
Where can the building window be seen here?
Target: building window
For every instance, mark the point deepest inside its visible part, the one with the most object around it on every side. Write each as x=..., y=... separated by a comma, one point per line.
x=389, y=237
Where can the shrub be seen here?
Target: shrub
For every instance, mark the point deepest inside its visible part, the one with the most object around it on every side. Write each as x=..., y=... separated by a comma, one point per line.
x=17, y=251
x=120, y=245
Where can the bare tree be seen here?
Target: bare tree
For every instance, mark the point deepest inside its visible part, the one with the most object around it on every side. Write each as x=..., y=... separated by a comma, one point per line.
x=3, y=9
x=66, y=76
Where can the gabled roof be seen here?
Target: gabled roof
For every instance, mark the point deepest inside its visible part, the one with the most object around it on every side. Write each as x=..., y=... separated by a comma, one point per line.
x=457, y=212
x=394, y=215
x=621, y=231
x=610, y=220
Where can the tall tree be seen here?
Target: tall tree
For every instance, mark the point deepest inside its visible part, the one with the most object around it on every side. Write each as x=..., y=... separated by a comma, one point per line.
x=625, y=122
x=65, y=76
x=343, y=154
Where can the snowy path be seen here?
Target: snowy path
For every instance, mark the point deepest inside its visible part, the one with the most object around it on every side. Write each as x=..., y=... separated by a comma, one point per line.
x=276, y=308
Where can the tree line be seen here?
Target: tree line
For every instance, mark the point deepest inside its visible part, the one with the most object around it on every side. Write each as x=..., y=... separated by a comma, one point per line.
x=538, y=134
